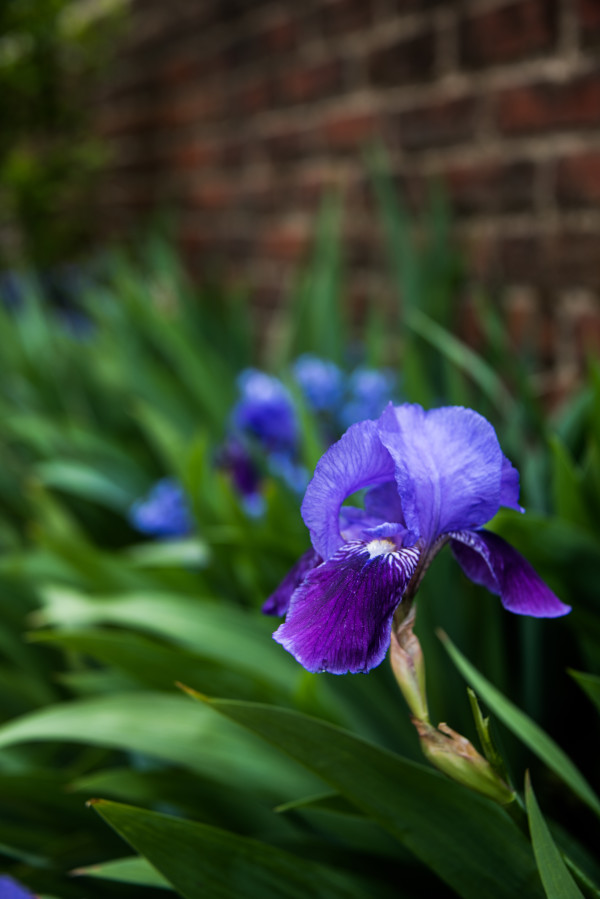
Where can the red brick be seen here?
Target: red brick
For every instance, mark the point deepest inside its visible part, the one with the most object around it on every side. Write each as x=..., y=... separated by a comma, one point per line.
x=343, y=16
x=578, y=179
x=520, y=258
x=125, y=120
x=306, y=83
x=307, y=188
x=213, y=195
x=490, y=187
x=402, y=62
x=280, y=37
x=234, y=152
x=514, y=31
x=587, y=334
x=572, y=257
x=197, y=105
x=179, y=70
x=588, y=14
x=438, y=124
x=194, y=155
x=349, y=131
x=550, y=105
x=290, y=145
x=255, y=96
x=284, y=242
x=262, y=196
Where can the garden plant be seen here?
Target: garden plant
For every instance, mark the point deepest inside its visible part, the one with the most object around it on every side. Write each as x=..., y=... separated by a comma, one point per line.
x=171, y=500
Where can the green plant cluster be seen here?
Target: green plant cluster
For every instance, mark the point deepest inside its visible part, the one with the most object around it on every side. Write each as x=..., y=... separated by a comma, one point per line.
x=50, y=53
x=141, y=677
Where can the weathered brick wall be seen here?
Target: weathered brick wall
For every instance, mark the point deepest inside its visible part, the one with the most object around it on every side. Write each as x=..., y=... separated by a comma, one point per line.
x=239, y=113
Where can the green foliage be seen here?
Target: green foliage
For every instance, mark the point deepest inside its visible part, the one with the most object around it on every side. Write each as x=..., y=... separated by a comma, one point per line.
x=286, y=782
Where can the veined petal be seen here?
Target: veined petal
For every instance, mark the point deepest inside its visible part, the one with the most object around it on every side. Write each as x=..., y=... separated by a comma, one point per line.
x=340, y=617
x=357, y=460
x=489, y=560
x=448, y=467
x=509, y=486
x=279, y=601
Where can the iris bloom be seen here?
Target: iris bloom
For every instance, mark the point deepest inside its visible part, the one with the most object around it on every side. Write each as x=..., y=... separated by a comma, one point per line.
x=370, y=390
x=10, y=889
x=163, y=512
x=431, y=478
x=265, y=411
x=321, y=382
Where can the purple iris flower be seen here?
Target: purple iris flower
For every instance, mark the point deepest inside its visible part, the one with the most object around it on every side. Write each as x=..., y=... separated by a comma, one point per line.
x=321, y=382
x=431, y=478
x=265, y=411
x=164, y=512
x=235, y=458
x=10, y=889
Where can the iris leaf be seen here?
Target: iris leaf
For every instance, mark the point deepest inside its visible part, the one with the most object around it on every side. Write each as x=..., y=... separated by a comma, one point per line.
x=165, y=727
x=127, y=870
x=202, y=861
x=556, y=879
x=590, y=683
x=481, y=853
x=524, y=728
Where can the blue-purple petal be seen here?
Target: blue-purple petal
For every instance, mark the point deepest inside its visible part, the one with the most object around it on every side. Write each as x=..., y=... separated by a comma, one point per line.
x=448, y=467
x=340, y=617
x=509, y=486
x=383, y=502
x=489, y=560
x=279, y=601
x=10, y=889
x=357, y=460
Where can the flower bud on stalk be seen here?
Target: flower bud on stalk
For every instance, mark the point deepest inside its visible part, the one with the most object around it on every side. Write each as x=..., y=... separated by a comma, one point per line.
x=456, y=756
x=450, y=752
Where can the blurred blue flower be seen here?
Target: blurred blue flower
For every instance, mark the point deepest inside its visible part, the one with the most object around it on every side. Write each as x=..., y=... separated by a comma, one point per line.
x=370, y=390
x=12, y=289
x=235, y=458
x=10, y=889
x=265, y=411
x=164, y=512
x=321, y=382
x=284, y=466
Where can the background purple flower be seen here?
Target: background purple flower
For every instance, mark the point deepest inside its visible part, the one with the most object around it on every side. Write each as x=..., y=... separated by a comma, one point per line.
x=265, y=411
x=10, y=889
x=321, y=382
x=164, y=512
x=370, y=390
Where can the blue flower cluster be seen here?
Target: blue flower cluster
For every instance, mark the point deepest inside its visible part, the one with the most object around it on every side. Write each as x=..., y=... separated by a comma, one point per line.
x=163, y=512
x=264, y=434
x=343, y=399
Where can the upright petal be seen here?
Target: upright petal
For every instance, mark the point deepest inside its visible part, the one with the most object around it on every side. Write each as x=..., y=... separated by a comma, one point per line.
x=279, y=601
x=448, y=467
x=489, y=560
x=509, y=486
x=357, y=460
x=340, y=617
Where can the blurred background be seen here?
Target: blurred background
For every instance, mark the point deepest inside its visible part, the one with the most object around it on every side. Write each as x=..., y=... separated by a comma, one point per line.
x=235, y=118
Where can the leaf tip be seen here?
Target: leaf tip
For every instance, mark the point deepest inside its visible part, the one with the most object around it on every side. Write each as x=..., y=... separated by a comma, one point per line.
x=195, y=694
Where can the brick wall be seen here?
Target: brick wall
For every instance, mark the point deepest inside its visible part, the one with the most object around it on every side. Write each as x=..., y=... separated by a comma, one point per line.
x=239, y=113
